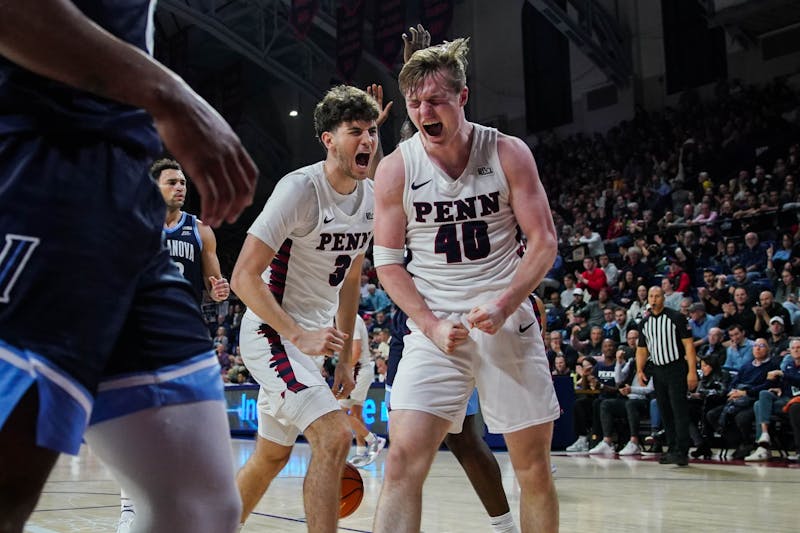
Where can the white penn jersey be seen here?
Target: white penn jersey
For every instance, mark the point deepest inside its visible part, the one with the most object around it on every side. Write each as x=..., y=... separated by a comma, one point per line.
x=462, y=233
x=316, y=240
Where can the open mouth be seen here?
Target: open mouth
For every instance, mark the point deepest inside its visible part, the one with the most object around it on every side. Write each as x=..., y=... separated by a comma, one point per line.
x=433, y=130
x=362, y=160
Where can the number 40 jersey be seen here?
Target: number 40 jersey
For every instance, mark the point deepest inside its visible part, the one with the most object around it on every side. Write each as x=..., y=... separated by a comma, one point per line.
x=461, y=233
x=317, y=233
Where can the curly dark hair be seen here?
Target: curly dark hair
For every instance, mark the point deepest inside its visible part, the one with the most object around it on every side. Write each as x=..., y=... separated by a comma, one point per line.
x=343, y=103
x=160, y=165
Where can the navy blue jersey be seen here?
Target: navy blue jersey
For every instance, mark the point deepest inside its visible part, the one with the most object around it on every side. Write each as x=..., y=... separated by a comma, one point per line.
x=186, y=249
x=32, y=103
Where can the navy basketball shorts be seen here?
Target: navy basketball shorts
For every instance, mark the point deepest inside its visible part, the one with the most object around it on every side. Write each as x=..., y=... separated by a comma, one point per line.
x=92, y=310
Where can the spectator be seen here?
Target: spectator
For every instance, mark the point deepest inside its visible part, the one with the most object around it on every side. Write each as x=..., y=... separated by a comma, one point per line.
x=376, y=300
x=685, y=305
x=381, y=320
x=740, y=350
x=556, y=314
x=672, y=298
x=706, y=214
x=714, y=346
x=224, y=359
x=609, y=269
x=753, y=256
x=380, y=369
x=745, y=388
x=625, y=293
x=623, y=324
x=711, y=392
x=592, y=241
x=221, y=337
x=714, y=292
x=681, y=281
x=560, y=367
x=593, y=347
x=577, y=306
x=568, y=294
x=610, y=328
x=786, y=286
x=701, y=323
x=738, y=312
x=632, y=405
x=768, y=309
x=634, y=263
x=596, y=306
x=559, y=349
x=383, y=343
x=729, y=256
x=636, y=312
x=785, y=255
x=592, y=278
x=778, y=340
x=784, y=385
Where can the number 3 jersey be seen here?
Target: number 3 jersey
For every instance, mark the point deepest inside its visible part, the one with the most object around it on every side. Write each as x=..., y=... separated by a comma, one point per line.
x=462, y=233
x=317, y=233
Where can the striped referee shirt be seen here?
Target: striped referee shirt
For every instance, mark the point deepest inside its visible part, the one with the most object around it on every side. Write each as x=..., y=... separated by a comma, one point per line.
x=663, y=336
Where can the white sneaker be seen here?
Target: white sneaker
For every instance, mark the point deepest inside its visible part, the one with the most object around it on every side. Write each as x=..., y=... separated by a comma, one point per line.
x=375, y=448
x=761, y=454
x=764, y=439
x=631, y=449
x=580, y=445
x=360, y=461
x=125, y=521
x=602, y=448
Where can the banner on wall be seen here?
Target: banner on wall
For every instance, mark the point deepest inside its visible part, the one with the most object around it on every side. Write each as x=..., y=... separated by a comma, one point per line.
x=301, y=16
x=389, y=24
x=349, y=37
x=242, y=407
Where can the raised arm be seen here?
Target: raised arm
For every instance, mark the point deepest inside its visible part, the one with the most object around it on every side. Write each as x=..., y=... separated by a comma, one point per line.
x=53, y=38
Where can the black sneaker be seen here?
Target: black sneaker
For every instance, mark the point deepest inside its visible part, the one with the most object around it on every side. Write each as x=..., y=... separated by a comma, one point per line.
x=667, y=459
x=681, y=460
x=742, y=452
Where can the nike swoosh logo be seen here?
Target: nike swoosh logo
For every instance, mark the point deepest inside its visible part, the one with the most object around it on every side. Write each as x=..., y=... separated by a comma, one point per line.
x=415, y=186
x=526, y=328
x=326, y=220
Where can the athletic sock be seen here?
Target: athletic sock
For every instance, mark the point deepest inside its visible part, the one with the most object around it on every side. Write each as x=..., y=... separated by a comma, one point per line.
x=503, y=523
x=126, y=504
x=370, y=438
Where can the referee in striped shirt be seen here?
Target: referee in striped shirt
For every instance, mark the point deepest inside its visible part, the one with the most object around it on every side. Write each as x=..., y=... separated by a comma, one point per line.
x=666, y=338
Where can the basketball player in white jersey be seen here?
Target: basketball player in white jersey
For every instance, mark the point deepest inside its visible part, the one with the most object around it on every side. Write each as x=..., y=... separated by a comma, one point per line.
x=368, y=445
x=454, y=194
x=300, y=267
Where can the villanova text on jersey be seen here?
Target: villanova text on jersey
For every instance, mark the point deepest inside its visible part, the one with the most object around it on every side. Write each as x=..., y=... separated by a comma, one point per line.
x=185, y=248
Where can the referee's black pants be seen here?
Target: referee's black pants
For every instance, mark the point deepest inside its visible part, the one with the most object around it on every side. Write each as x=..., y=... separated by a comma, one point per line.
x=671, y=396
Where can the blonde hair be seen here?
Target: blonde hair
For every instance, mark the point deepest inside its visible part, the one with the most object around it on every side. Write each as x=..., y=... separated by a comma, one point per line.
x=449, y=58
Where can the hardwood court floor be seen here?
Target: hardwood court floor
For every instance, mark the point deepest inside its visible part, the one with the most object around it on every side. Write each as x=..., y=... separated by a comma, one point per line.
x=596, y=494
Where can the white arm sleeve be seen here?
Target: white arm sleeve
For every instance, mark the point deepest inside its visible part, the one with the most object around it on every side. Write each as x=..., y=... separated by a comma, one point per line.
x=291, y=209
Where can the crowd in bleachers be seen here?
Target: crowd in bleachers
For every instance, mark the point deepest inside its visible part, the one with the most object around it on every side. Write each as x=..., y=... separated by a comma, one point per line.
x=701, y=200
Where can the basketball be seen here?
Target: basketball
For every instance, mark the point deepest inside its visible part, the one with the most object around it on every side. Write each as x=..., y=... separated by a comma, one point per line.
x=352, y=491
